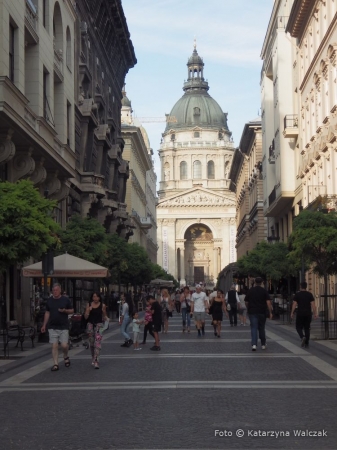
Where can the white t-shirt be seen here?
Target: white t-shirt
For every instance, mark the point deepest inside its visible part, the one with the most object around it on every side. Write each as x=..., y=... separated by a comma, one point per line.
x=199, y=301
x=135, y=326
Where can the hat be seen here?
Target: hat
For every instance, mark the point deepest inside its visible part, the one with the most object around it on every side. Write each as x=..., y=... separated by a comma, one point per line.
x=258, y=280
x=197, y=286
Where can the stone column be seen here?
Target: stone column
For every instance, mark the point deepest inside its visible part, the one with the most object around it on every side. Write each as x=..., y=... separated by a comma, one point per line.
x=182, y=266
x=215, y=262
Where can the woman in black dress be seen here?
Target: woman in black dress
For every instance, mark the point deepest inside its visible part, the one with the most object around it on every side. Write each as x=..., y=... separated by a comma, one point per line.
x=218, y=307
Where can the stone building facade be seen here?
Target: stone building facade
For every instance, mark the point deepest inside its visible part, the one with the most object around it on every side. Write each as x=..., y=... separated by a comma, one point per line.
x=103, y=55
x=196, y=209
x=313, y=26
x=246, y=177
x=141, y=186
x=277, y=102
x=37, y=110
x=62, y=70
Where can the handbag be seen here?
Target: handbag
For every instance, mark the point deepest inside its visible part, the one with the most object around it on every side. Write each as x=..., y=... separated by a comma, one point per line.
x=188, y=307
x=228, y=307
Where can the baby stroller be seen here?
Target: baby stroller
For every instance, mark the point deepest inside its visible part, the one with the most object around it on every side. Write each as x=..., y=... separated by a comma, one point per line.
x=77, y=331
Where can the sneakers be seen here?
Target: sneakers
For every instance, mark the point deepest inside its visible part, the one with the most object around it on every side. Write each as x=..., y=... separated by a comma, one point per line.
x=138, y=348
x=264, y=346
x=96, y=365
x=303, y=342
x=253, y=348
x=125, y=344
x=155, y=348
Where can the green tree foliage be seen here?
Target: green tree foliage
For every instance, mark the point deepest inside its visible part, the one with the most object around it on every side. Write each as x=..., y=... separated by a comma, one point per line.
x=117, y=259
x=159, y=272
x=267, y=260
x=139, y=266
x=314, y=237
x=26, y=226
x=85, y=238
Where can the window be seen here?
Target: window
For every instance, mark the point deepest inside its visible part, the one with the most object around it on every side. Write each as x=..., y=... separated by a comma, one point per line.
x=210, y=170
x=68, y=122
x=183, y=170
x=197, y=170
x=196, y=111
x=11, y=52
x=68, y=49
x=196, y=134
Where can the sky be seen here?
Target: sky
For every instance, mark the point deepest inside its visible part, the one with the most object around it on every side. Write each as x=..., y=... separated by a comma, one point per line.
x=229, y=36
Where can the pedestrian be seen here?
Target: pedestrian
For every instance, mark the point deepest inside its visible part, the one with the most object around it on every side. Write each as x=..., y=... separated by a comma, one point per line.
x=257, y=301
x=125, y=321
x=243, y=309
x=232, y=299
x=177, y=301
x=96, y=315
x=217, y=308
x=305, y=303
x=56, y=316
x=166, y=307
x=156, y=321
x=185, y=302
x=147, y=322
x=199, y=306
x=136, y=323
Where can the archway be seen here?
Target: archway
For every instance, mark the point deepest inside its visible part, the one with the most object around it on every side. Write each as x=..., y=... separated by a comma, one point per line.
x=198, y=264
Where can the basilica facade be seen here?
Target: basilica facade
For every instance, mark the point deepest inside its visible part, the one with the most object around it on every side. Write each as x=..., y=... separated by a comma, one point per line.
x=196, y=209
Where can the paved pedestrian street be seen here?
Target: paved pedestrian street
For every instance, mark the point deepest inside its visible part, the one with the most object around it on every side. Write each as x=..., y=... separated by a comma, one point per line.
x=196, y=393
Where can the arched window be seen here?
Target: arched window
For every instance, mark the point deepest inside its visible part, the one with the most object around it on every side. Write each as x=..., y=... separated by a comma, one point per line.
x=183, y=170
x=210, y=170
x=197, y=170
x=68, y=51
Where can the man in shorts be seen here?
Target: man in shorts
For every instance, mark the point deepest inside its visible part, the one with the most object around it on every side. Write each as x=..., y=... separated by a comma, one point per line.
x=56, y=316
x=156, y=312
x=199, y=306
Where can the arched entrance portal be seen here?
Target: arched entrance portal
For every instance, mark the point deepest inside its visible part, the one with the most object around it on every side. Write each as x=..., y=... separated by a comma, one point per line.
x=199, y=244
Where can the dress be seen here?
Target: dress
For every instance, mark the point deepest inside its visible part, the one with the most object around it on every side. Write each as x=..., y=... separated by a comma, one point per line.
x=217, y=312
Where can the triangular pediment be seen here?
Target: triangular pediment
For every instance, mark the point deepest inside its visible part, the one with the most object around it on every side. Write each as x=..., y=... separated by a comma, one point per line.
x=196, y=197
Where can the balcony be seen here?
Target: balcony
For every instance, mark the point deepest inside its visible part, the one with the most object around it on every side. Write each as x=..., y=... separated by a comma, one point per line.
x=290, y=126
x=58, y=65
x=271, y=158
x=145, y=223
x=93, y=183
x=31, y=23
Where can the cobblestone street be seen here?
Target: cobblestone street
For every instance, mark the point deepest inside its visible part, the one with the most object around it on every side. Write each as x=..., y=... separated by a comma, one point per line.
x=176, y=398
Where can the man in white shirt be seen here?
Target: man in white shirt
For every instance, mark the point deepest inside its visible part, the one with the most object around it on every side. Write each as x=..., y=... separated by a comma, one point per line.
x=199, y=306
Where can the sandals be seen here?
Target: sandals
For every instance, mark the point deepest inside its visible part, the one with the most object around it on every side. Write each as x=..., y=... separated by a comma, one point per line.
x=55, y=368
x=67, y=361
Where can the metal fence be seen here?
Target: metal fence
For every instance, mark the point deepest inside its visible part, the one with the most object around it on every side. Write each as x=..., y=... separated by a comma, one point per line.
x=327, y=314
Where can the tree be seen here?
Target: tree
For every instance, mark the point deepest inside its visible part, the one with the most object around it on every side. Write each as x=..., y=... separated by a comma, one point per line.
x=267, y=260
x=26, y=226
x=314, y=238
x=117, y=257
x=85, y=238
x=139, y=270
x=159, y=272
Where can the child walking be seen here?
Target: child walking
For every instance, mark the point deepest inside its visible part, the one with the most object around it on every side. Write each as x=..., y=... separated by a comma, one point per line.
x=147, y=322
x=136, y=330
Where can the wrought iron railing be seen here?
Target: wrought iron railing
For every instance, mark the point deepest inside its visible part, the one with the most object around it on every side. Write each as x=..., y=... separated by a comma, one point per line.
x=272, y=196
x=291, y=121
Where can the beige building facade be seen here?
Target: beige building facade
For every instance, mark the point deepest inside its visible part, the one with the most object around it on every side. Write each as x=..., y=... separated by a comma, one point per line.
x=246, y=176
x=196, y=209
x=277, y=106
x=141, y=185
x=313, y=26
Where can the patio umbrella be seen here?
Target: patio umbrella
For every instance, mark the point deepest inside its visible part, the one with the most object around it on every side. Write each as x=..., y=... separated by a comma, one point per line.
x=68, y=266
x=165, y=283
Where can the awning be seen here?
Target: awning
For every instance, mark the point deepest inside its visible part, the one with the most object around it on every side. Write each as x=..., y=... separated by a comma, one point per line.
x=68, y=266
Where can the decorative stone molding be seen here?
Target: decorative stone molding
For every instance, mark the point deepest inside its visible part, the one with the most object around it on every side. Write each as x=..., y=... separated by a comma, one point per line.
x=40, y=174
x=197, y=199
x=138, y=188
x=23, y=165
x=7, y=148
x=52, y=183
x=102, y=132
x=61, y=194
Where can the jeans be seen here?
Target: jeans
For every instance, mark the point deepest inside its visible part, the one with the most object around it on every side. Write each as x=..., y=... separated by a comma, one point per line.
x=233, y=315
x=124, y=327
x=186, y=318
x=303, y=322
x=257, y=324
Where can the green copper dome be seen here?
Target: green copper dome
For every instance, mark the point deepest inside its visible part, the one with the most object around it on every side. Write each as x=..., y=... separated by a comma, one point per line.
x=196, y=107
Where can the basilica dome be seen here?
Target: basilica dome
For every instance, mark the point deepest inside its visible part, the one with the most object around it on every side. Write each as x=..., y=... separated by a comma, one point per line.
x=196, y=108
